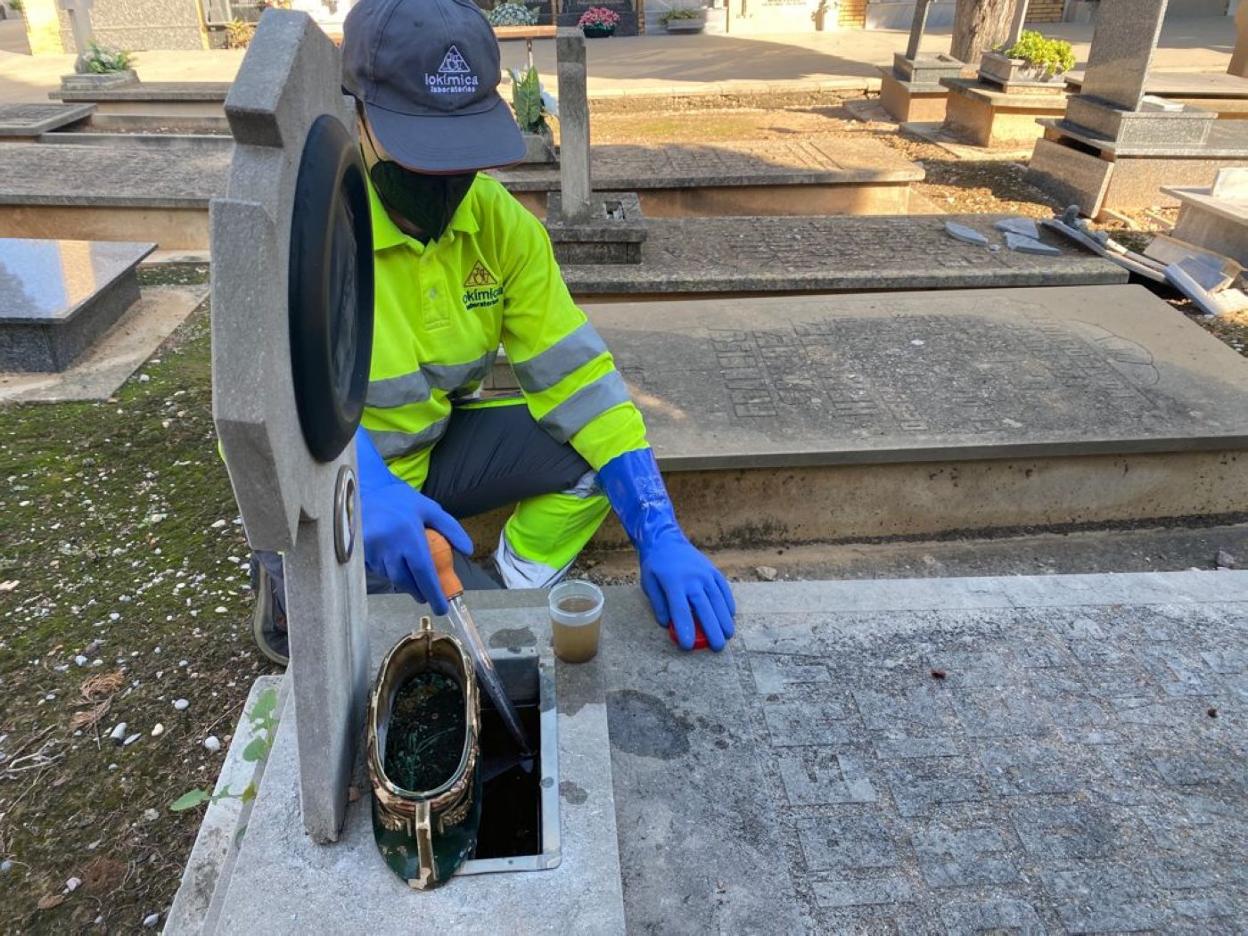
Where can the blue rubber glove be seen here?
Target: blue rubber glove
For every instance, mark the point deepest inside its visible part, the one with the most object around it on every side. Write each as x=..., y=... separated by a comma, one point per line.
x=679, y=581
x=394, y=517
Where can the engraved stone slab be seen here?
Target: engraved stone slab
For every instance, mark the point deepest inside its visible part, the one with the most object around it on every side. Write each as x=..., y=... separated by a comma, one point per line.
x=1122, y=50
x=800, y=380
x=32, y=120
x=830, y=254
x=1054, y=831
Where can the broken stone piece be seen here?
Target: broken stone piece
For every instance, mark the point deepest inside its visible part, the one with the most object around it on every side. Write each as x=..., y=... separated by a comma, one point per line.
x=1024, y=226
x=967, y=235
x=118, y=734
x=1029, y=245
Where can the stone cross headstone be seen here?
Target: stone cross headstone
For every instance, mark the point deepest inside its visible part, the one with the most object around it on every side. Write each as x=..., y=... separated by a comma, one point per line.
x=1239, y=58
x=1016, y=27
x=917, y=25
x=575, y=183
x=1122, y=50
x=80, y=22
x=289, y=499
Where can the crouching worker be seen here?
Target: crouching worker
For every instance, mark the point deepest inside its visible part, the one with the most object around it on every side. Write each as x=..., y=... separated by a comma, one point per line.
x=460, y=266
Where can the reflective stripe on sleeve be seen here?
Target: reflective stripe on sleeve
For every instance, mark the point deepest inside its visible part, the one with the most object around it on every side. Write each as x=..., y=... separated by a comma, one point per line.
x=568, y=354
x=574, y=413
x=391, y=444
x=417, y=386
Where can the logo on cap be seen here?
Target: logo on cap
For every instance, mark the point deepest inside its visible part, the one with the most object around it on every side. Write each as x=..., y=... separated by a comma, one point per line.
x=454, y=76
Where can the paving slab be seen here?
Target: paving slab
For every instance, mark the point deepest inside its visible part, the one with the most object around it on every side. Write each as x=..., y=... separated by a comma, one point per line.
x=1064, y=775
x=31, y=120
x=831, y=254
x=823, y=380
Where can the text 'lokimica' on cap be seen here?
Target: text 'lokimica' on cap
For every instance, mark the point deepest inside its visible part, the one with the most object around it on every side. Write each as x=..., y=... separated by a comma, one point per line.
x=427, y=72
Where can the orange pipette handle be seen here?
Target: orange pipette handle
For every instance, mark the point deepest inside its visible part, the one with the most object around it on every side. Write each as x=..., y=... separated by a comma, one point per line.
x=444, y=562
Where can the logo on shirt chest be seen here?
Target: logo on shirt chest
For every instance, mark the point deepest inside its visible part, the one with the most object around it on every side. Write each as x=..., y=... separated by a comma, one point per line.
x=481, y=289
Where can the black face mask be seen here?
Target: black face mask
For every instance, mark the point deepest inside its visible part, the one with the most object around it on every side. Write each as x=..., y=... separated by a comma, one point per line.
x=427, y=201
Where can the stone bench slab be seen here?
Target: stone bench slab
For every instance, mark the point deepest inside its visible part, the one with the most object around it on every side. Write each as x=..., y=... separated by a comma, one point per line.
x=910, y=377
x=831, y=254
x=151, y=92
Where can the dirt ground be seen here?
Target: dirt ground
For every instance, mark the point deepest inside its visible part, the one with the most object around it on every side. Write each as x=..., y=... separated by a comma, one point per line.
x=123, y=586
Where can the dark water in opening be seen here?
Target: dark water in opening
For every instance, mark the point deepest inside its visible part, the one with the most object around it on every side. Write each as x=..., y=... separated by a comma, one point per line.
x=511, y=803
x=425, y=737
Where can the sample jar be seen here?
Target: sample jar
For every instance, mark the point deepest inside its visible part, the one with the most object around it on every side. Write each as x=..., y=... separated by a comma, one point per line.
x=575, y=620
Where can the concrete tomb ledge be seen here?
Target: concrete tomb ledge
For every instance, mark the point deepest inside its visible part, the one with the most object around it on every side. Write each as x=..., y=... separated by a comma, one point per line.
x=29, y=121
x=153, y=91
x=1228, y=139
x=830, y=254
x=281, y=882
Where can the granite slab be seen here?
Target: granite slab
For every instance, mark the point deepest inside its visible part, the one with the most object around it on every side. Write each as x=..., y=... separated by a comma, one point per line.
x=830, y=254
x=152, y=92
x=141, y=177
x=815, y=160
x=905, y=377
x=1122, y=50
x=1063, y=776
x=56, y=297
x=1155, y=127
x=1227, y=139
x=283, y=883
x=1183, y=84
x=32, y=120
x=1029, y=97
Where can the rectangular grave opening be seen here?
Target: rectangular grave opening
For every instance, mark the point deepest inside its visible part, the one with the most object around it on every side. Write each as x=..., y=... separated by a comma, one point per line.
x=519, y=828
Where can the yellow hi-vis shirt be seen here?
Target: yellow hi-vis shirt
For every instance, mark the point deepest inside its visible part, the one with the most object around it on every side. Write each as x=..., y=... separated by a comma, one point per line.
x=440, y=312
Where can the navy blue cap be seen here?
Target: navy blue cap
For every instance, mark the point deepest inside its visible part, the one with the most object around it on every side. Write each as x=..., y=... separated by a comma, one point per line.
x=427, y=72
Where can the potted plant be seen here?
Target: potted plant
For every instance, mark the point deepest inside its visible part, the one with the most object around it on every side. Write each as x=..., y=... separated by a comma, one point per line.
x=100, y=67
x=598, y=22
x=530, y=105
x=684, y=20
x=1032, y=59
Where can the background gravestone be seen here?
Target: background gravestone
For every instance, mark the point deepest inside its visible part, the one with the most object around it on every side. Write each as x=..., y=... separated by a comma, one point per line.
x=289, y=79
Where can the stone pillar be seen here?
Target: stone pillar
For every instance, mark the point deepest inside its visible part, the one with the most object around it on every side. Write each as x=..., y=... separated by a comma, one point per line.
x=292, y=501
x=1122, y=51
x=79, y=12
x=1020, y=20
x=575, y=182
x=1239, y=58
x=917, y=25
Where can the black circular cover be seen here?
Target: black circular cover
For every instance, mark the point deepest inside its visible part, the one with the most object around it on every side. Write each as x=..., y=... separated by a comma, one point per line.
x=331, y=288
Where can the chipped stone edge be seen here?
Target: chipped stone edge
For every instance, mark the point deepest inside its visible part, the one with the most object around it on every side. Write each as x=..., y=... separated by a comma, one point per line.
x=197, y=903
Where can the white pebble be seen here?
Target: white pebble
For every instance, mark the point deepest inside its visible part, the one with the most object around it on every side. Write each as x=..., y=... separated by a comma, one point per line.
x=73, y=884
x=212, y=743
x=81, y=660
x=157, y=730
x=114, y=616
x=180, y=704
x=151, y=815
x=131, y=739
x=220, y=609
x=6, y=866
x=218, y=524
x=118, y=734
x=151, y=920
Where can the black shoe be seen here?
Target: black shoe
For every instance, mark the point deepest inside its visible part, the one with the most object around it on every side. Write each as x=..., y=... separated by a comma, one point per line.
x=268, y=628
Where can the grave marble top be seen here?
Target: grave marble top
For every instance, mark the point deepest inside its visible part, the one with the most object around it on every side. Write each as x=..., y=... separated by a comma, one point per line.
x=31, y=120
x=39, y=174
x=1227, y=140
x=49, y=281
x=813, y=160
x=1231, y=210
x=1063, y=776
x=798, y=380
x=838, y=253
x=152, y=91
